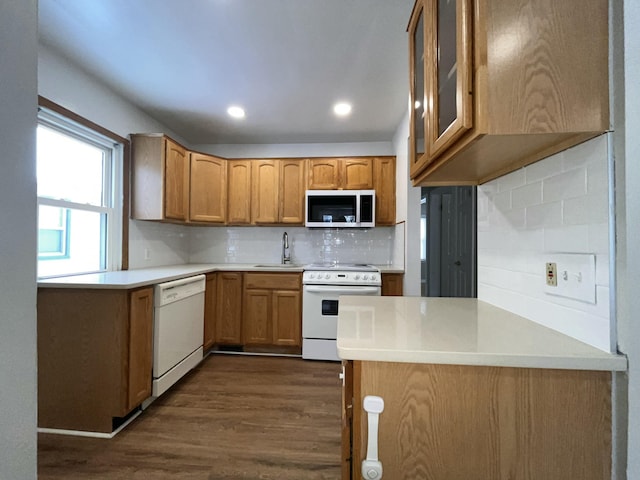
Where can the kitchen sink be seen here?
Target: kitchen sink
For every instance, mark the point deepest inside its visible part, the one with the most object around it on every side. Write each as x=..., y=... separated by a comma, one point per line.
x=278, y=265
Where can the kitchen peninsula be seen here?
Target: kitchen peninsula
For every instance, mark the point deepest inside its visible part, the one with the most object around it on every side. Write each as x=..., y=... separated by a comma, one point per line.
x=473, y=391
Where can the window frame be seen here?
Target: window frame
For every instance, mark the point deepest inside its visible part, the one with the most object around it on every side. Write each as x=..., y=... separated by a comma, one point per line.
x=69, y=123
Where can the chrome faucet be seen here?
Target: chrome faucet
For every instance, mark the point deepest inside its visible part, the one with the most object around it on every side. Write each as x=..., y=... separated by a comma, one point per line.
x=286, y=255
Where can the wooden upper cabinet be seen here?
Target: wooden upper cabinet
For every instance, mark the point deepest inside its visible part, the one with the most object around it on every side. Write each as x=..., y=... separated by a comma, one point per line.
x=324, y=174
x=160, y=178
x=356, y=173
x=292, y=191
x=384, y=182
x=239, y=192
x=340, y=173
x=208, y=189
x=264, y=191
x=493, y=105
x=176, y=181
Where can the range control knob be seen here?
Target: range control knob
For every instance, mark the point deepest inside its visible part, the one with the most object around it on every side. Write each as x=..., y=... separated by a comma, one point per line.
x=327, y=276
x=312, y=275
x=357, y=276
x=365, y=277
x=374, y=278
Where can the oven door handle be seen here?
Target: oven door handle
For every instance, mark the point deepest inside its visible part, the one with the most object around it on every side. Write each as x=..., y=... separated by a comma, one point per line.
x=342, y=290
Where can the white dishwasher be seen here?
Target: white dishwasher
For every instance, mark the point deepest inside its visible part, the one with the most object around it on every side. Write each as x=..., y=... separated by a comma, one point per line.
x=178, y=324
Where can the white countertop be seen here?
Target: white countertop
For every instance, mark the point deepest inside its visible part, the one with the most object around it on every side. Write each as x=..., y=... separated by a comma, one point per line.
x=461, y=331
x=148, y=276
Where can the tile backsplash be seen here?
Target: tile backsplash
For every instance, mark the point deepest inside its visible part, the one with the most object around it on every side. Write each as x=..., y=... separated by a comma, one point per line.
x=559, y=204
x=264, y=245
x=153, y=244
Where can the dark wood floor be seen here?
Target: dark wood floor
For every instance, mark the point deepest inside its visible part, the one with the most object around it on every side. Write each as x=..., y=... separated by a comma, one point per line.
x=234, y=417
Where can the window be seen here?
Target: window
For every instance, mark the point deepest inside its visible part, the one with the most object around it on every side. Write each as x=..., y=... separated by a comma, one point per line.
x=79, y=198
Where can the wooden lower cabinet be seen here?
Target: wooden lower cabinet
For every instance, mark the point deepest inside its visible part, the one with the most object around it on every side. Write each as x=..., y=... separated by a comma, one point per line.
x=392, y=284
x=228, y=321
x=210, y=303
x=272, y=310
x=468, y=422
x=95, y=356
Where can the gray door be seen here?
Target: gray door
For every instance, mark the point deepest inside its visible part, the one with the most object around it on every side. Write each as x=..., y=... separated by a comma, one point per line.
x=449, y=231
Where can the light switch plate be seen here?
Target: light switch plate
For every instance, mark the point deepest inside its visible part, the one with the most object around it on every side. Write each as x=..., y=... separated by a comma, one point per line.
x=576, y=276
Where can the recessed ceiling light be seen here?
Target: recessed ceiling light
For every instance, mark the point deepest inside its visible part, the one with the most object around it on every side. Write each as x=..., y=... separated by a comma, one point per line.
x=235, y=111
x=342, y=109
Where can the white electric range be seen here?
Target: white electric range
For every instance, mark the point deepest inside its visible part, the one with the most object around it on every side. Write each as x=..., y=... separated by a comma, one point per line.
x=322, y=286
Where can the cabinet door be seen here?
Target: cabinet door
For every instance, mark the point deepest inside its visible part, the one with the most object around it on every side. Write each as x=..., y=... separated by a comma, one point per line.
x=324, y=174
x=257, y=322
x=228, y=327
x=208, y=189
x=356, y=173
x=176, y=181
x=292, y=191
x=210, y=303
x=392, y=284
x=239, y=192
x=417, y=128
x=140, y=346
x=264, y=191
x=287, y=318
x=384, y=180
x=449, y=66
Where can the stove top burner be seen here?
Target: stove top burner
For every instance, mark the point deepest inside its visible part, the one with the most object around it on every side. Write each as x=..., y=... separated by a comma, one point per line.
x=346, y=267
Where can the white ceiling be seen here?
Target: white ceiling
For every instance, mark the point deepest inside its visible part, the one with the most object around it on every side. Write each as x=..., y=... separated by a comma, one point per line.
x=285, y=61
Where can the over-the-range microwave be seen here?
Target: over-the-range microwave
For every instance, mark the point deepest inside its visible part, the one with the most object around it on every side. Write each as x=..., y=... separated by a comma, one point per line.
x=340, y=208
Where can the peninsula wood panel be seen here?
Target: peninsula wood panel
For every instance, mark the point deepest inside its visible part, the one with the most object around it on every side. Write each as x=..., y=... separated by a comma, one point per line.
x=392, y=284
x=461, y=422
x=239, y=192
x=208, y=188
x=228, y=329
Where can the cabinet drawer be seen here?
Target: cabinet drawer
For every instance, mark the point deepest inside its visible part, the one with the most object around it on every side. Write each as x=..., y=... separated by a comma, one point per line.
x=279, y=281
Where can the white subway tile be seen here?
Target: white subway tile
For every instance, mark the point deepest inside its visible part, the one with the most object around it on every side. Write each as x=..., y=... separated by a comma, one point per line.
x=569, y=239
x=511, y=180
x=527, y=195
x=565, y=185
x=545, y=215
x=598, y=238
x=542, y=169
x=586, y=153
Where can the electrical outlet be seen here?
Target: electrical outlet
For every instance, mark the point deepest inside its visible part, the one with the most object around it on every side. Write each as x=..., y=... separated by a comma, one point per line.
x=552, y=275
x=571, y=275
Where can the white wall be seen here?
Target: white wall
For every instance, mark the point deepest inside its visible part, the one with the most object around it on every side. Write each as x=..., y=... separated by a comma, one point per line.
x=407, y=210
x=65, y=84
x=559, y=204
x=628, y=209
x=298, y=150
x=18, y=102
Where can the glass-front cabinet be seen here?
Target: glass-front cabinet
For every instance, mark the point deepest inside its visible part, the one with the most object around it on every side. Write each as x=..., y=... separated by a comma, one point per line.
x=440, y=77
x=448, y=89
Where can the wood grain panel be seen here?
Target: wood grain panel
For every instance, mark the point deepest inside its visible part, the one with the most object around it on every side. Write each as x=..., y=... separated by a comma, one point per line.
x=208, y=188
x=229, y=309
x=139, y=365
x=210, y=302
x=384, y=182
x=287, y=318
x=392, y=284
x=286, y=281
x=356, y=173
x=461, y=422
x=176, y=181
x=239, y=192
x=324, y=174
x=147, y=155
x=256, y=322
x=82, y=339
x=292, y=191
x=264, y=191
